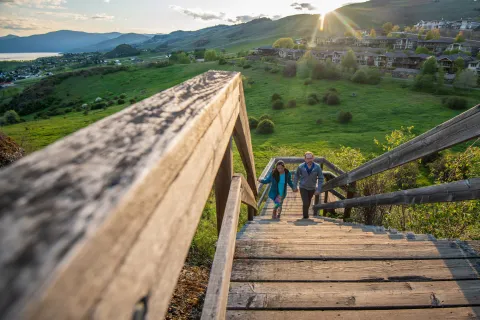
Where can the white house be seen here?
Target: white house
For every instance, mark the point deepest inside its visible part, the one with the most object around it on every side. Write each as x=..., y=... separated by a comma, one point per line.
x=460, y=46
x=474, y=66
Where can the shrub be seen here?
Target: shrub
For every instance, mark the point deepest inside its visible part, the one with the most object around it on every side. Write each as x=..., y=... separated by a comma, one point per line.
x=253, y=122
x=276, y=96
x=123, y=96
x=132, y=101
x=121, y=101
x=319, y=121
x=344, y=117
x=313, y=96
x=292, y=103
x=278, y=105
x=275, y=70
x=308, y=81
x=99, y=106
x=68, y=110
x=455, y=103
x=265, y=126
x=222, y=61
x=247, y=65
x=312, y=101
x=111, y=103
x=360, y=76
x=290, y=69
x=374, y=76
x=333, y=99
x=265, y=117
x=267, y=68
x=11, y=117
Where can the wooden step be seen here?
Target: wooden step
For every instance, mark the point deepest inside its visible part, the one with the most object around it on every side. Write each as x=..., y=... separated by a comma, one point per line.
x=341, y=236
x=257, y=249
x=332, y=295
x=384, y=270
x=463, y=313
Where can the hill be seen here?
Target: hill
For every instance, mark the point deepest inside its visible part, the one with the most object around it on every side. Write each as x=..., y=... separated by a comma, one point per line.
x=58, y=41
x=123, y=50
x=129, y=38
x=9, y=36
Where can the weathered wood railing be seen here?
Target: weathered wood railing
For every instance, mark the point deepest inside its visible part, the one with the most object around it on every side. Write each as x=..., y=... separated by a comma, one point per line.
x=462, y=128
x=102, y=220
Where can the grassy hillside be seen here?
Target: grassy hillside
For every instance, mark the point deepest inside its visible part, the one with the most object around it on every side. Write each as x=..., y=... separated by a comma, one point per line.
x=129, y=38
x=377, y=110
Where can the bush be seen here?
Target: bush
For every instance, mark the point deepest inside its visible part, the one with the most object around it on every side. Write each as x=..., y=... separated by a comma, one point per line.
x=344, y=117
x=319, y=121
x=253, y=122
x=313, y=96
x=111, y=103
x=455, y=103
x=11, y=117
x=290, y=69
x=68, y=110
x=132, y=101
x=99, y=106
x=308, y=81
x=121, y=101
x=292, y=103
x=275, y=70
x=247, y=66
x=278, y=105
x=276, y=96
x=123, y=96
x=4, y=123
x=265, y=117
x=222, y=61
x=360, y=76
x=312, y=101
x=265, y=126
x=333, y=99
x=267, y=68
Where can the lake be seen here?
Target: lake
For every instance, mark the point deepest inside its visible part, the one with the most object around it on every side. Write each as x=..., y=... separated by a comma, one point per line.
x=26, y=56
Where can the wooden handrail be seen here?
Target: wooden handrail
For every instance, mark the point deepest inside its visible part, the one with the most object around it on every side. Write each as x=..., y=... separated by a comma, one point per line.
x=463, y=127
x=215, y=305
x=448, y=192
x=104, y=218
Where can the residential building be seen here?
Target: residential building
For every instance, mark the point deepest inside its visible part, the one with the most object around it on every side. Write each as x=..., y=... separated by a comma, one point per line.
x=461, y=47
x=436, y=46
x=474, y=66
x=447, y=62
x=433, y=24
x=291, y=54
x=266, y=51
x=406, y=44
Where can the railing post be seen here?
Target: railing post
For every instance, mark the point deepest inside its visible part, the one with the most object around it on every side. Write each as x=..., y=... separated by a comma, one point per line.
x=222, y=184
x=351, y=191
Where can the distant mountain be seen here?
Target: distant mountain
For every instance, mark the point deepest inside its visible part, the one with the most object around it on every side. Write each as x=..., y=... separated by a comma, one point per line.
x=123, y=50
x=10, y=36
x=129, y=38
x=58, y=41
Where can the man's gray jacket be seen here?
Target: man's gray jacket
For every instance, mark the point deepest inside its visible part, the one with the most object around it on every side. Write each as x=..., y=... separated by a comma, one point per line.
x=309, y=179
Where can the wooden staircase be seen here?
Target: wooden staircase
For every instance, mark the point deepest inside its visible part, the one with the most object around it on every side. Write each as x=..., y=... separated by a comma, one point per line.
x=323, y=268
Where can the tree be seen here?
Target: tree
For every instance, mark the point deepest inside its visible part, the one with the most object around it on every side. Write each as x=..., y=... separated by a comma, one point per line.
x=11, y=117
x=460, y=37
x=478, y=56
x=348, y=34
x=349, y=61
x=396, y=28
x=459, y=64
x=358, y=35
x=466, y=79
x=284, y=43
x=210, y=55
x=433, y=34
x=373, y=33
x=407, y=29
x=387, y=27
x=424, y=50
x=440, y=80
x=429, y=66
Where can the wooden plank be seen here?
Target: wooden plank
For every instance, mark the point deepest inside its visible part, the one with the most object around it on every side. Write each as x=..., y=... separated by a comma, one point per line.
x=345, y=241
x=352, y=237
x=314, y=270
x=336, y=295
x=265, y=172
x=462, y=128
x=247, y=195
x=243, y=141
x=347, y=251
x=222, y=185
x=215, y=304
x=79, y=212
x=465, y=313
x=448, y=192
x=333, y=167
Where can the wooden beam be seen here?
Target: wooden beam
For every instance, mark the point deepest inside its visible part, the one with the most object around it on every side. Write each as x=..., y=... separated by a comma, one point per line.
x=247, y=193
x=351, y=192
x=448, y=192
x=333, y=167
x=244, y=143
x=215, y=305
x=463, y=127
x=222, y=185
x=265, y=172
x=93, y=222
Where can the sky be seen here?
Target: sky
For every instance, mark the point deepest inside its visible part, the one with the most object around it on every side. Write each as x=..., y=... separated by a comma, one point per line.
x=28, y=17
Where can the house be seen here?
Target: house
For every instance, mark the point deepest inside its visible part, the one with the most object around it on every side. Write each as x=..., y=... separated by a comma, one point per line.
x=337, y=56
x=474, y=66
x=300, y=41
x=447, y=62
x=406, y=44
x=461, y=47
x=291, y=54
x=405, y=73
x=366, y=58
x=437, y=46
x=433, y=24
x=266, y=51
x=380, y=61
x=378, y=42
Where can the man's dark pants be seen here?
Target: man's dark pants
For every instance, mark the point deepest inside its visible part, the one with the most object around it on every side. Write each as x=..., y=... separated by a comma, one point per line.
x=307, y=200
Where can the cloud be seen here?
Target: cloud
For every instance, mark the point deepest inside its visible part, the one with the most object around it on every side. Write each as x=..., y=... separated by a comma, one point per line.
x=66, y=15
x=199, y=14
x=102, y=16
x=47, y=4
x=107, y=1
x=303, y=6
x=18, y=24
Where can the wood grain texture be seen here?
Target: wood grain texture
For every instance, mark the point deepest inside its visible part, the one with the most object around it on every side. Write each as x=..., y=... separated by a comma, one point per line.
x=462, y=128
x=222, y=185
x=448, y=192
x=76, y=213
x=465, y=313
x=387, y=270
x=333, y=295
x=215, y=304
